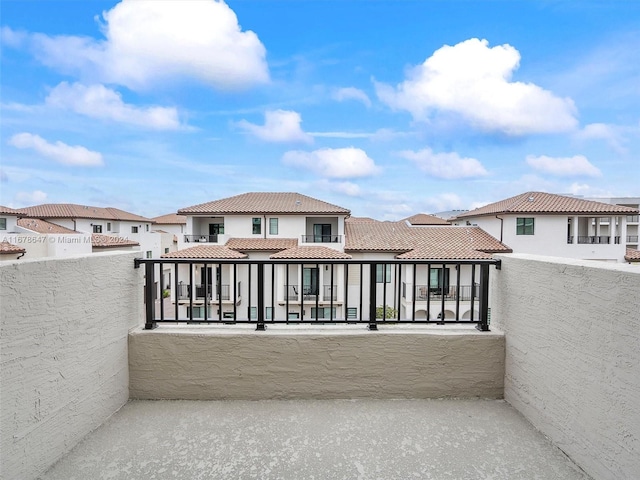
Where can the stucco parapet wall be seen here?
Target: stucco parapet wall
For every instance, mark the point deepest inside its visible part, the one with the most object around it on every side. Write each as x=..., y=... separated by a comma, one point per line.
x=63, y=353
x=213, y=363
x=572, y=331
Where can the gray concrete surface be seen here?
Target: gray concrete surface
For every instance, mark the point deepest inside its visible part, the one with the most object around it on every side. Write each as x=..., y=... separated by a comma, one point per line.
x=330, y=439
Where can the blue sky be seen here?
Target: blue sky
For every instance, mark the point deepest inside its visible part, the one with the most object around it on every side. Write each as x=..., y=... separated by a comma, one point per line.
x=388, y=108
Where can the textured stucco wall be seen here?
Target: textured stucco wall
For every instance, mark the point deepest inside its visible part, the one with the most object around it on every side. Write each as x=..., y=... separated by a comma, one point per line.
x=306, y=363
x=64, y=323
x=572, y=331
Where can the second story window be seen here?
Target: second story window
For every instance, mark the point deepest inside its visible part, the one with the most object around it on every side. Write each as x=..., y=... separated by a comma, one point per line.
x=3, y=223
x=97, y=229
x=383, y=273
x=134, y=229
x=524, y=226
x=273, y=226
x=256, y=225
x=108, y=226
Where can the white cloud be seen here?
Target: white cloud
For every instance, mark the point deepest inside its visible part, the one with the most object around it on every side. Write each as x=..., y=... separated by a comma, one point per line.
x=474, y=81
x=333, y=162
x=347, y=188
x=28, y=198
x=279, y=126
x=602, y=131
x=575, y=166
x=148, y=42
x=60, y=152
x=443, y=202
x=98, y=101
x=445, y=165
x=352, y=93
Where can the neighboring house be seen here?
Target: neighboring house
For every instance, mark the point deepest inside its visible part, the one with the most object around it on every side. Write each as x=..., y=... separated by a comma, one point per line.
x=9, y=250
x=424, y=288
x=266, y=215
x=312, y=234
x=261, y=226
x=112, y=222
x=46, y=239
x=171, y=227
x=555, y=225
x=633, y=225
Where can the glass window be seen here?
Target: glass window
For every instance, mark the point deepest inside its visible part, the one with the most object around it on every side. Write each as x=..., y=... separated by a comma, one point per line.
x=273, y=226
x=310, y=277
x=108, y=226
x=3, y=223
x=352, y=312
x=323, y=312
x=439, y=279
x=383, y=273
x=97, y=229
x=134, y=229
x=253, y=313
x=524, y=226
x=166, y=250
x=322, y=233
x=149, y=254
x=257, y=225
x=269, y=313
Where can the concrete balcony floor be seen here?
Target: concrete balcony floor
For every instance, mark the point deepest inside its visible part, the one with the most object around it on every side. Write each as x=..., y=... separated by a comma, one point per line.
x=308, y=439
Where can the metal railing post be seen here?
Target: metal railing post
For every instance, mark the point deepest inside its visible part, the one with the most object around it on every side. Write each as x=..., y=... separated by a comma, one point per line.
x=149, y=270
x=483, y=324
x=260, y=326
x=372, y=297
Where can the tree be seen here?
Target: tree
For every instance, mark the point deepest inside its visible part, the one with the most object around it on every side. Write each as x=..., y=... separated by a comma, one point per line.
x=388, y=312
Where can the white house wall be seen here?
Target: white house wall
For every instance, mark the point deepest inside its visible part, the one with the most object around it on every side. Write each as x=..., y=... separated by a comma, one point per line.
x=550, y=237
x=11, y=222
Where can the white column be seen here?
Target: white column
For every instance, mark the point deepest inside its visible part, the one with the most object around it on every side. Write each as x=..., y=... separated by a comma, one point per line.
x=574, y=230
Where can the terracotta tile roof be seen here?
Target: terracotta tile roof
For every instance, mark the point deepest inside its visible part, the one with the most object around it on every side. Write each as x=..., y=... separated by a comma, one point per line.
x=319, y=253
x=70, y=210
x=266, y=203
x=437, y=242
x=360, y=220
x=632, y=255
x=424, y=219
x=171, y=219
x=261, y=244
x=206, y=251
x=42, y=226
x=108, y=241
x=540, y=202
x=8, y=211
x=9, y=248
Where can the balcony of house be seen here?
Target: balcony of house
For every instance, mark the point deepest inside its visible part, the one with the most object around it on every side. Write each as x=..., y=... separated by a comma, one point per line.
x=364, y=396
x=205, y=230
x=322, y=230
x=200, y=238
x=296, y=293
x=595, y=230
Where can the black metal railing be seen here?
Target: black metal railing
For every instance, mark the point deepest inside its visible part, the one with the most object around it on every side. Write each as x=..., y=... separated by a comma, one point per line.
x=451, y=293
x=200, y=238
x=310, y=292
x=351, y=295
x=321, y=238
x=594, y=239
x=213, y=292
